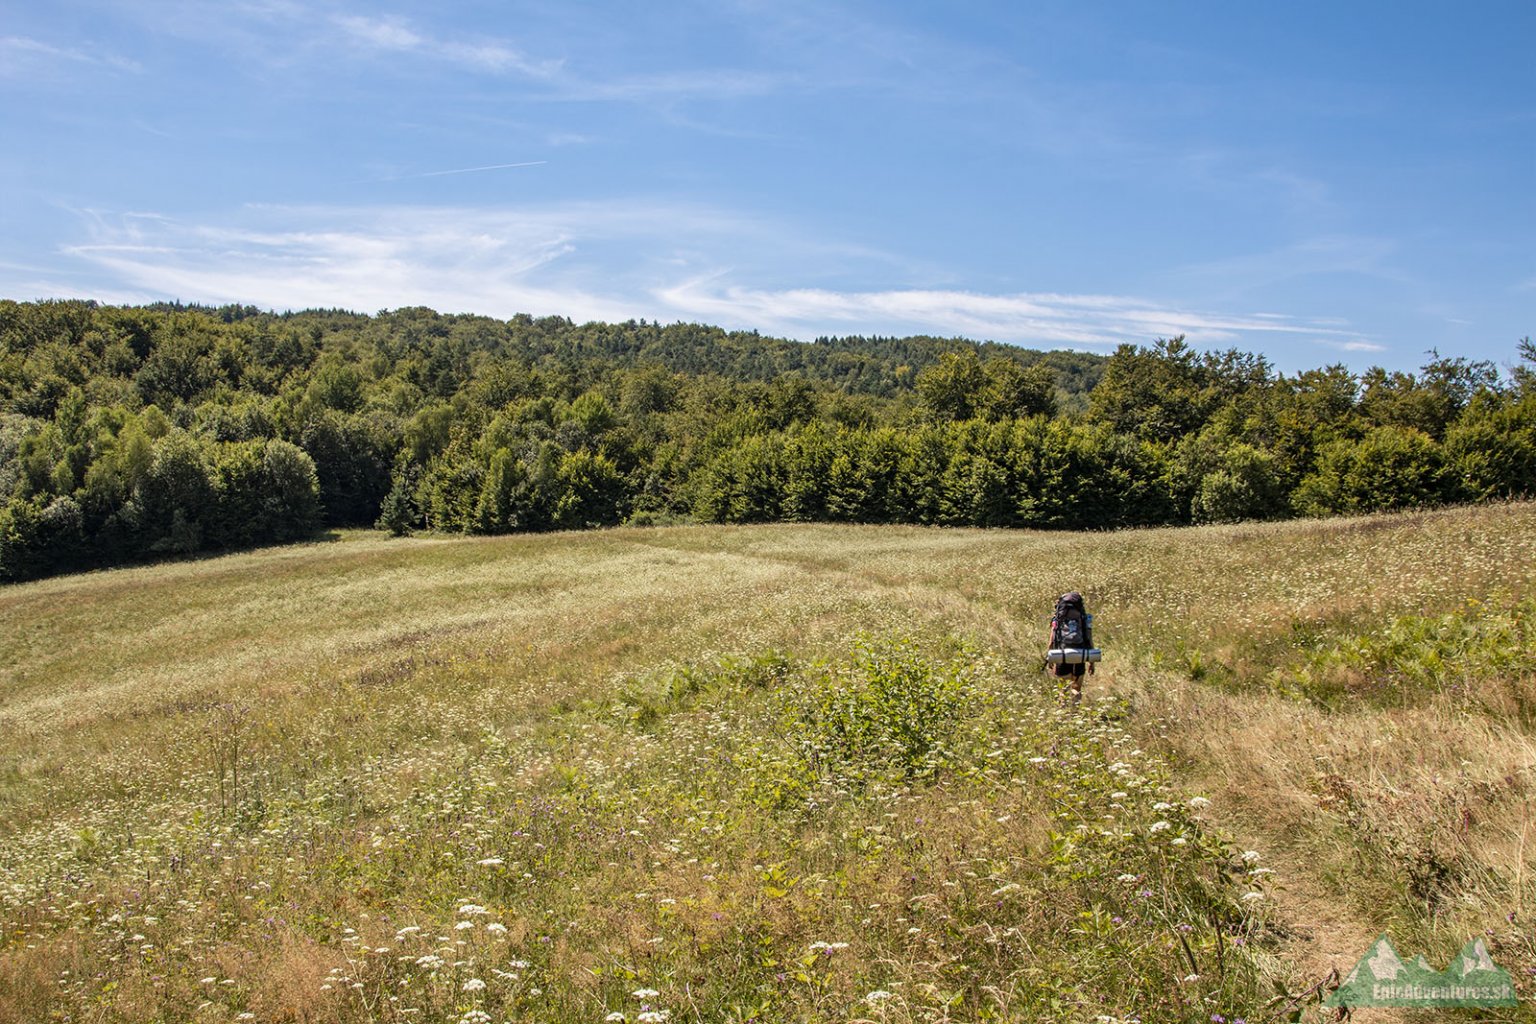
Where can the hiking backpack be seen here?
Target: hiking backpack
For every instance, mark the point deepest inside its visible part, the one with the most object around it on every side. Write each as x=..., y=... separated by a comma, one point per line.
x=1069, y=626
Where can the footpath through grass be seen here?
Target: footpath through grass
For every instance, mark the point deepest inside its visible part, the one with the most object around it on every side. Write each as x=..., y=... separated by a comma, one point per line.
x=780, y=773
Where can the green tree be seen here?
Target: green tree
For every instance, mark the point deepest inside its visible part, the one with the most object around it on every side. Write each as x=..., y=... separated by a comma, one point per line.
x=1390, y=468
x=1013, y=392
x=175, y=496
x=290, y=492
x=1494, y=449
x=1158, y=393
x=1244, y=485
x=591, y=491
x=954, y=388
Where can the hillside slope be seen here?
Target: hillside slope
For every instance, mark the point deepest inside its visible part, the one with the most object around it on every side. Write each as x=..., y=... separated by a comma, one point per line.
x=664, y=759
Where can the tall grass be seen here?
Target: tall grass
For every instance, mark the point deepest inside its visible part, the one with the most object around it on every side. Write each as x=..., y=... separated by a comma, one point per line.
x=775, y=773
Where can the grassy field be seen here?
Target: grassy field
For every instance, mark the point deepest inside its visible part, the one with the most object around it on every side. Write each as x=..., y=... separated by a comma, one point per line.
x=774, y=773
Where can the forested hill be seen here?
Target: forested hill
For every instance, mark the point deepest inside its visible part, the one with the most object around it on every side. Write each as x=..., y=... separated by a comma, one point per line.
x=455, y=345
x=134, y=432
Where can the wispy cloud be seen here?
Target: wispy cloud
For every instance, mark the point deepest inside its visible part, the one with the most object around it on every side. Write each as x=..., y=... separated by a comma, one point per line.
x=464, y=170
x=396, y=35
x=1039, y=318
x=21, y=56
x=609, y=261
x=708, y=83
x=1365, y=256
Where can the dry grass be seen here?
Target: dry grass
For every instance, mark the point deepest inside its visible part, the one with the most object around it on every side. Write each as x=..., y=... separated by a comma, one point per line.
x=344, y=681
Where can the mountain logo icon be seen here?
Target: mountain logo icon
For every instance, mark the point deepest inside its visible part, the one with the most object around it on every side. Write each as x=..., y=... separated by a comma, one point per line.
x=1384, y=978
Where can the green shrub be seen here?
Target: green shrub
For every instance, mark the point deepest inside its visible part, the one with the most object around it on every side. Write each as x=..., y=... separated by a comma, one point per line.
x=1390, y=468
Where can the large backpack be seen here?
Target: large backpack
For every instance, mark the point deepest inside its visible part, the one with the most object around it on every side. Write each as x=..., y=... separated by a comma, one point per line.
x=1069, y=626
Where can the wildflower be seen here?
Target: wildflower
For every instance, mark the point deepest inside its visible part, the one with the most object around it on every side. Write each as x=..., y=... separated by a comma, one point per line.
x=518, y=965
x=1180, y=841
x=463, y=925
x=1162, y=805
x=1160, y=826
x=490, y=862
x=1199, y=803
x=653, y=1016
x=614, y=1017
x=645, y=993
x=1128, y=878
x=496, y=928
x=1250, y=856
x=877, y=997
x=474, y=985
x=475, y=1017
x=1252, y=897
x=472, y=909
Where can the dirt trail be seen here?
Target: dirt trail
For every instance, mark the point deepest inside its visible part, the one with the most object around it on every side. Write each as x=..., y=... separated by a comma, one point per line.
x=1215, y=740
x=1318, y=933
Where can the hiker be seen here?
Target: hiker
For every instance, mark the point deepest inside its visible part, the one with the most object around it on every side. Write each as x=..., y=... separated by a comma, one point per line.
x=1071, y=642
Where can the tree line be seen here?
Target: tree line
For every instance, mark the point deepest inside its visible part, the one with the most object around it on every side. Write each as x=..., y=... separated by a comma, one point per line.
x=129, y=433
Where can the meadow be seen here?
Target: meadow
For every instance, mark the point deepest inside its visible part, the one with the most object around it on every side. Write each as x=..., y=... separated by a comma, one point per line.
x=768, y=773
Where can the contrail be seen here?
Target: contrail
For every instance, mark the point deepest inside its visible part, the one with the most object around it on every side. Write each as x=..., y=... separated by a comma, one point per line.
x=472, y=170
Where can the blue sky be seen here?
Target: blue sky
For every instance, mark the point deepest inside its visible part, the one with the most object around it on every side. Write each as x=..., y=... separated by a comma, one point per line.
x=1320, y=182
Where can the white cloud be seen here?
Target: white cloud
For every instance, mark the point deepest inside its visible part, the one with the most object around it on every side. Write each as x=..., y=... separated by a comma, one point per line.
x=395, y=35
x=1036, y=318
x=607, y=261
